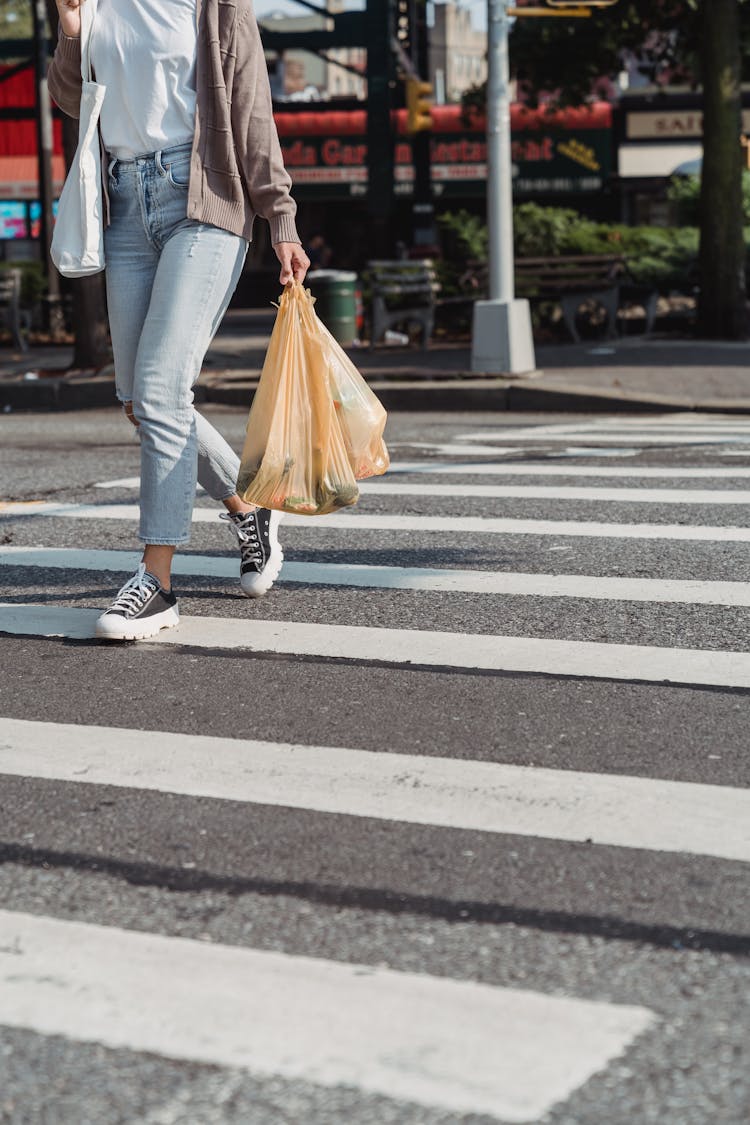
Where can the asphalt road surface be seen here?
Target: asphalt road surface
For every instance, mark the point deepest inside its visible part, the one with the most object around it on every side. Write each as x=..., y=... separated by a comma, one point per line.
x=451, y=826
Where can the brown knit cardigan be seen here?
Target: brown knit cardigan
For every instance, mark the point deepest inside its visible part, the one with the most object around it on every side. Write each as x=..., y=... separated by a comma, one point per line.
x=237, y=170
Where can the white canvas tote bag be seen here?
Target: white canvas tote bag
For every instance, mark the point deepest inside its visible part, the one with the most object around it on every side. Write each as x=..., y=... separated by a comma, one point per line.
x=78, y=239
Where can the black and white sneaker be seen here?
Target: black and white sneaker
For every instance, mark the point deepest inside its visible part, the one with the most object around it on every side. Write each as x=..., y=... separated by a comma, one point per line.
x=261, y=554
x=140, y=610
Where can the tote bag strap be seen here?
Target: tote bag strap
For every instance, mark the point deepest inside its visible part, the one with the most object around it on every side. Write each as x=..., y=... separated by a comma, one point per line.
x=88, y=14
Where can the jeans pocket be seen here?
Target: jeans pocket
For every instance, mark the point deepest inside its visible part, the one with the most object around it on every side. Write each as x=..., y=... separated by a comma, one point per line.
x=178, y=171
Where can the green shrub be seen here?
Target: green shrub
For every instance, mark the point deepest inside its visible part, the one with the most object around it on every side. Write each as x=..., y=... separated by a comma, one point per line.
x=467, y=236
x=661, y=257
x=541, y=232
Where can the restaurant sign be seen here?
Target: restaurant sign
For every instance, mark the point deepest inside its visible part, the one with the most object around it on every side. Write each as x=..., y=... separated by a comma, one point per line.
x=547, y=161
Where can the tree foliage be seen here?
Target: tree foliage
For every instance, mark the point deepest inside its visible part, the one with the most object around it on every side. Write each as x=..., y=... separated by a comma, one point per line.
x=15, y=19
x=564, y=60
x=569, y=57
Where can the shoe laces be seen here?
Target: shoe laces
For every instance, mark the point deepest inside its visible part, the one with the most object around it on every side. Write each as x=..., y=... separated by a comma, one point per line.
x=245, y=527
x=135, y=591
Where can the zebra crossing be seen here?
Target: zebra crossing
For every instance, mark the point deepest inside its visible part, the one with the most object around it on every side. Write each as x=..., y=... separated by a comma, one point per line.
x=486, y=823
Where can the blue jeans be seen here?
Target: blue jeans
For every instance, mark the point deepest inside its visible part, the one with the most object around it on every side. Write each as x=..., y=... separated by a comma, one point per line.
x=169, y=282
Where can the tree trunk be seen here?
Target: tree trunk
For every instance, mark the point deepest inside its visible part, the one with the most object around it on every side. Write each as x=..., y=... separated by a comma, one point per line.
x=722, y=303
x=91, y=334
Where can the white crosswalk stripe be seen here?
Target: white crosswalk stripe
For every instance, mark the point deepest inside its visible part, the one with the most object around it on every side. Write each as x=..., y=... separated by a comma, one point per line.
x=548, y=492
x=531, y=469
x=478, y=651
x=662, y=427
x=598, y=587
x=481, y=796
x=709, y=422
x=465, y=525
x=455, y=449
x=454, y=1045
x=552, y=469
x=705, y=496
x=424, y=1039
x=643, y=437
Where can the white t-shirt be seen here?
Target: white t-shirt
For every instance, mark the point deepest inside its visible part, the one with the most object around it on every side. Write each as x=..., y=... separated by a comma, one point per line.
x=144, y=52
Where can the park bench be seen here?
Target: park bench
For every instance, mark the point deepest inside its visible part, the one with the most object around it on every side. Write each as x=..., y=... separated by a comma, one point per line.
x=10, y=305
x=402, y=291
x=574, y=280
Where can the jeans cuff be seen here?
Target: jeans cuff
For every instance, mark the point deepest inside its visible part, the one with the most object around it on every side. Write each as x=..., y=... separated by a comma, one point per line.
x=163, y=542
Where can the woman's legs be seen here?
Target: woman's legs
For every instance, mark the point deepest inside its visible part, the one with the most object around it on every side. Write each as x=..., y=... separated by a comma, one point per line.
x=198, y=270
x=169, y=281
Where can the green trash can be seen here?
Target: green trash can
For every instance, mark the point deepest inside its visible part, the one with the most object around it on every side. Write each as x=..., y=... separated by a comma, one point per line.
x=335, y=296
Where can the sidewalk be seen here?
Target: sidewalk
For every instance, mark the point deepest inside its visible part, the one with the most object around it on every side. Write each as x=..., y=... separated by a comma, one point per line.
x=634, y=373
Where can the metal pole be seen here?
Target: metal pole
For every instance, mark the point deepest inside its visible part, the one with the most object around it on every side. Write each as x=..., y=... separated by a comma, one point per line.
x=502, y=342
x=499, y=163
x=423, y=212
x=380, y=175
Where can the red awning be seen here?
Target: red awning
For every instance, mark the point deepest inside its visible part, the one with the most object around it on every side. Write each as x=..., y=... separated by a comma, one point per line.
x=446, y=119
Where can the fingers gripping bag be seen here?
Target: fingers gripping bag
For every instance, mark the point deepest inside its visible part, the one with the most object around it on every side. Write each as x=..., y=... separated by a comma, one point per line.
x=296, y=456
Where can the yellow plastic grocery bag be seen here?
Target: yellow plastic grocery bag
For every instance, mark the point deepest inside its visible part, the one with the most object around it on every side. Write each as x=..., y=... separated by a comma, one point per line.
x=359, y=411
x=306, y=439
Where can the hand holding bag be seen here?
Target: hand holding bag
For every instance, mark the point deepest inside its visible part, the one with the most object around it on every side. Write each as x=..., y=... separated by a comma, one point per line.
x=78, y=239
x=309, y=435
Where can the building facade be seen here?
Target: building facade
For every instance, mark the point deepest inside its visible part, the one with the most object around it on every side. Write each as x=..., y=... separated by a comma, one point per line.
x=298, y=75
x=458, y=53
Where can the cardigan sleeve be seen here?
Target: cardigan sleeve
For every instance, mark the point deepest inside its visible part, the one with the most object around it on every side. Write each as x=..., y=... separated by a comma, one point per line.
x=64, y=74
x=256, y=140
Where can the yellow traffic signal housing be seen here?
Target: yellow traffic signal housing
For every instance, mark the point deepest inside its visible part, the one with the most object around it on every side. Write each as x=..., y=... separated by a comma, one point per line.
x=418, y=105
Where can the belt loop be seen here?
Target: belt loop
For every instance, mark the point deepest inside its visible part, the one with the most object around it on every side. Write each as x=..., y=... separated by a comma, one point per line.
x=111, y=166
x=158, y=163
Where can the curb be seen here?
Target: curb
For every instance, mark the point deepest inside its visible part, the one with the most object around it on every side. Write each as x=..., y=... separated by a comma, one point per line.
x=525, y=396
x=88, y=393
x=502, y=395
x=443, y=395
x=58, y=394
x=416, y=395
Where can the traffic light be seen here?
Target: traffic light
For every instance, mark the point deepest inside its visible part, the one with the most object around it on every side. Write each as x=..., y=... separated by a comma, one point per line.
x=418, y=105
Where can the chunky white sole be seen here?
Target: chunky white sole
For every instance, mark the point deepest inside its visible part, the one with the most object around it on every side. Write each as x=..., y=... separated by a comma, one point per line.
x=111, y=627
x=256, y=585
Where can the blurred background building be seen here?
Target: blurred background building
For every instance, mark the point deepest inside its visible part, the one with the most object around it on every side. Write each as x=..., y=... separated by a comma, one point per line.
x=458, y=52
x=298, y=75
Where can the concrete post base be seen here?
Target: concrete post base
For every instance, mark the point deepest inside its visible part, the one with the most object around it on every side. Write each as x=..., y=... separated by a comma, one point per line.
x=502, y=343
